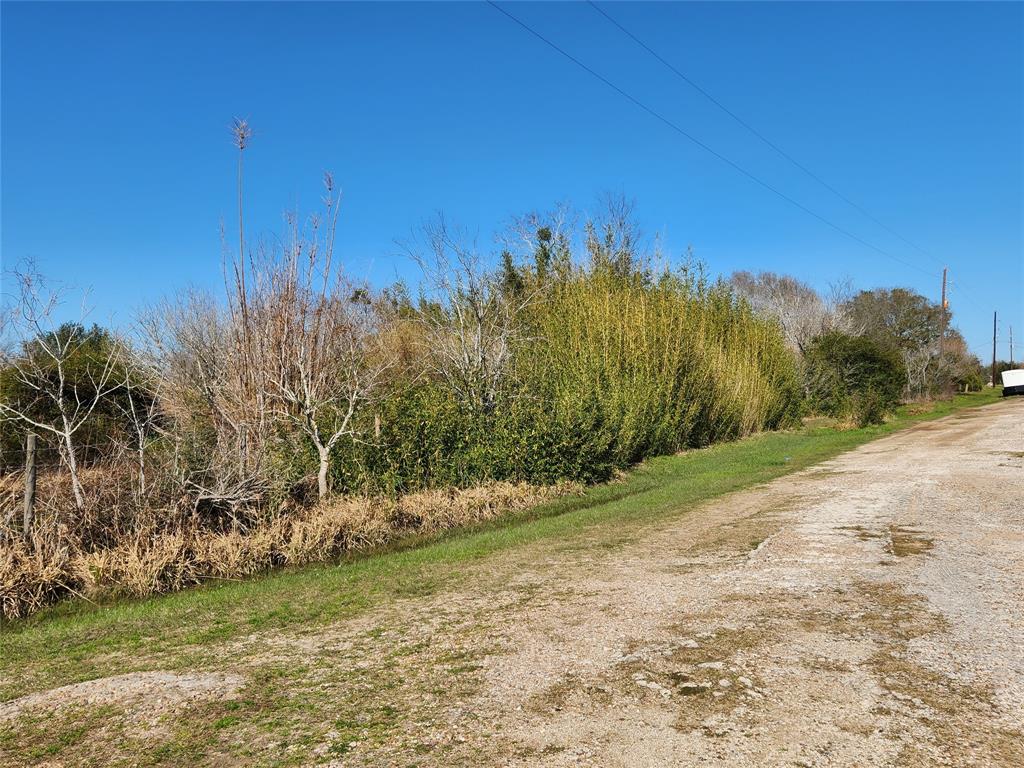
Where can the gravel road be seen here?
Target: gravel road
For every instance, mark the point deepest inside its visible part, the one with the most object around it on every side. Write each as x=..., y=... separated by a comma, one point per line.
x=868, y=611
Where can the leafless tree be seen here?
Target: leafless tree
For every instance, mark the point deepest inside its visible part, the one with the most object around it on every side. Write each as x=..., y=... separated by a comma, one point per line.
x=141, y=408
x=319, y=336
x=195, y=362
x=546, y=238
x=298, y=343
x=40, y=353
x=613, y=238
x=801, y=311
x=470, y=322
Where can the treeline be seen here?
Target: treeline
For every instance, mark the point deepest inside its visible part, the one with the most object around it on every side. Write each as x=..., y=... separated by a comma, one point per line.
x=551, y=367
x=578, y=355
x=303, y=414
x=863, y=353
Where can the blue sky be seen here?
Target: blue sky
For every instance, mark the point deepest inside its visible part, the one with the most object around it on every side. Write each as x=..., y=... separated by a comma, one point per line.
x=117, y=164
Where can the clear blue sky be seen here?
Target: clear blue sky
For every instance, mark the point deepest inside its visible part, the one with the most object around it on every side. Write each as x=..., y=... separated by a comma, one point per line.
x=117, y=165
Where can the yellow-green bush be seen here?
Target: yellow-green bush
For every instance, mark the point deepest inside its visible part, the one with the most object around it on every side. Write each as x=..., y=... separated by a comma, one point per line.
x=608, y=369
x=663, y=364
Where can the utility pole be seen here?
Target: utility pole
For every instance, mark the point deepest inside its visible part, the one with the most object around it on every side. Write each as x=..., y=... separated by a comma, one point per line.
x=945, y=313
x=1011, y=346
x=993, y=349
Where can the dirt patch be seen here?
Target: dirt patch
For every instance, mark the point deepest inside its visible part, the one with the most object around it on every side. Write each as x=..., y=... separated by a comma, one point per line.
x=904, y=541
x=156, y=692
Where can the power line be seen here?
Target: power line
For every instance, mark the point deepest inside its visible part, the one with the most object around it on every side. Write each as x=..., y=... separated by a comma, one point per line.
x=781, y=152
x=702, y=145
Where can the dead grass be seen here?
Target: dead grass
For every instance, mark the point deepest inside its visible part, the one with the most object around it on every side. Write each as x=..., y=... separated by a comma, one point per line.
x=54, y=566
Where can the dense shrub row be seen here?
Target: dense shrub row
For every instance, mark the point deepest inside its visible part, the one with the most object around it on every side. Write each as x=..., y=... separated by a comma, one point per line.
x=225, y=438
x=238, y=419
x=606, y=371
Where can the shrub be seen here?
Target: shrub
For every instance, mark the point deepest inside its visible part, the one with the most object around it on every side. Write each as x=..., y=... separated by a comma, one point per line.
x=852, y=377
x=527, y=378
x=607, y=370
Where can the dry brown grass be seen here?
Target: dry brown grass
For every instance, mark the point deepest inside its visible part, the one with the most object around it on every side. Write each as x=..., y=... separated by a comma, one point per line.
x=55, y=566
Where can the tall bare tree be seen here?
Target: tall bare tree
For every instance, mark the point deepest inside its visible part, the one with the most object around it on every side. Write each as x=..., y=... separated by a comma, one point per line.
x=319, y=335
x=298, y=344
x=801, y=312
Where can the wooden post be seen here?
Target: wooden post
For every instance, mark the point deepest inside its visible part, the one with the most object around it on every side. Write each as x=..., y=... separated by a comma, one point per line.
x=30, y=485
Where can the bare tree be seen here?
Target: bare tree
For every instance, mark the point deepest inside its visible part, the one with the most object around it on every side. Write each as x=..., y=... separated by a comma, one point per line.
x=543, y=237
x=800, y=311
x=298, y=343
x=140, y=407
x=41, y=355
x=207, y=367
x=319, y=336
x=470, y=322
x=613, y=238
x=195, y=361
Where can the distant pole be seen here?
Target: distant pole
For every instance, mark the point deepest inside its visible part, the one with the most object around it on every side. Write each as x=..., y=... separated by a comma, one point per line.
x=30, y=485
x=945, y=312
x=993, y=349
x=1011, y=346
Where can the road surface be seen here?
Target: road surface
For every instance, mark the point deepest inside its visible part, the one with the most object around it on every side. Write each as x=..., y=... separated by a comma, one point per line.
x=868, y=611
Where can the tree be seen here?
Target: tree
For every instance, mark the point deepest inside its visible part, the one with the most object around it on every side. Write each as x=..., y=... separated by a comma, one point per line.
x=847, y=374
x=468, y=316
x=298, y=344
x=800, y=311
x=541, y=242
x=907, y=323
x=613, y=240
x=320, y=338
x=56, y=376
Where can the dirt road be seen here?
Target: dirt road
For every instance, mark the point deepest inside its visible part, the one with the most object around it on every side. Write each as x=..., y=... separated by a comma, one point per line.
x=869, y=611
x=866, y=612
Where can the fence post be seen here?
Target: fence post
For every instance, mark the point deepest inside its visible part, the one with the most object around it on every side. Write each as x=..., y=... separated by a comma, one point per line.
x=30, y=485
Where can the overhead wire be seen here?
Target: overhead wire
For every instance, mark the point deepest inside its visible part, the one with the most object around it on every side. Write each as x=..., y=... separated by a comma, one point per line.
x=710, y=150
x=760, y=136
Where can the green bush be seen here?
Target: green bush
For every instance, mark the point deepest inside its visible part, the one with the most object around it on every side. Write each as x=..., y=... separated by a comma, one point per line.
x=852, y=377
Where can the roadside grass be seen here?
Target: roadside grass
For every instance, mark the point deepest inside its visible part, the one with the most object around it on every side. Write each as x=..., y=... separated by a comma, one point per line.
x=76, y=641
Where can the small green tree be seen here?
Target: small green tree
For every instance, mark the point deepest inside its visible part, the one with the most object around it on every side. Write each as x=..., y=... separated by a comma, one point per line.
x=853, y=376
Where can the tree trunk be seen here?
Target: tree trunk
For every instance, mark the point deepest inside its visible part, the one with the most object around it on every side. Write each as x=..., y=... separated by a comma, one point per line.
x=321, y=478
x=76, y=484
x=142, y=467
x=30, y=486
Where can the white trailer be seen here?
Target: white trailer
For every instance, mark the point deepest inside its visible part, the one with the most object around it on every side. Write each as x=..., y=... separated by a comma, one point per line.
x=1013, y=382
